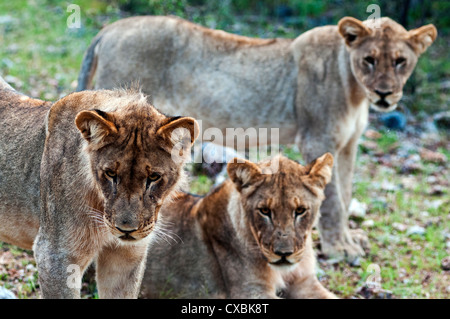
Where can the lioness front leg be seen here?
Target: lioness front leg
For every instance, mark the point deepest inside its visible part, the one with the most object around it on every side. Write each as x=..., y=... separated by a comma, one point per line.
x=308, y=288
x=120, y=270
x=346, y=166
x=336, y=240
x=60, y=269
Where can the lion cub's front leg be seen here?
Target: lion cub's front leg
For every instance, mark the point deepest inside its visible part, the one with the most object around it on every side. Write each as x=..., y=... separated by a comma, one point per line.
x=120, y=270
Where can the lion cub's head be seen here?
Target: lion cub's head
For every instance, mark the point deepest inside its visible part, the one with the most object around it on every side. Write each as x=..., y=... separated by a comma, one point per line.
x=383, y=55
x=136, y=159
x=281, y=203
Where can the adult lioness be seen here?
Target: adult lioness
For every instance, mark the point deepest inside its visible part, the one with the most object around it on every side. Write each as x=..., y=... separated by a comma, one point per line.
x=100, y=191
x=316, y=88
x=248, y=238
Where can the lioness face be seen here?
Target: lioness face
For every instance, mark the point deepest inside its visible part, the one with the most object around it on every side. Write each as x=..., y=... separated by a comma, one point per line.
x=281, y=207
x=383, y=56
x=132, y=165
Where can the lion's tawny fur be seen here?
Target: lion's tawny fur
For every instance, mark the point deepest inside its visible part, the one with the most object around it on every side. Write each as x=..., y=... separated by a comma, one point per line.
x=316, y=88
x=75, y=184
x=221, y=246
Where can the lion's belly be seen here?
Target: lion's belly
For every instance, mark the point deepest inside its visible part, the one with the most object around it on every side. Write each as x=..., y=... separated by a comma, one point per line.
x=19, y=226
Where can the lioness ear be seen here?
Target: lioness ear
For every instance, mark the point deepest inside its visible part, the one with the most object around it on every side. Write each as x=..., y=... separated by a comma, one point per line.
x=243, y=172
x=94, y=125
x=179, y=133
x=421, y=38
x=352, y=30
x=320, y=170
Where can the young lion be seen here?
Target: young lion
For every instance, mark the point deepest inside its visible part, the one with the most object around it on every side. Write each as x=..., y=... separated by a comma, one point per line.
x=248, y=238
x=316, y=88
x=101, y=163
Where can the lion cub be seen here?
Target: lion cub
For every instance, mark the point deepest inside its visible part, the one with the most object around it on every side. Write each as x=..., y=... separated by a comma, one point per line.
x=248, y=238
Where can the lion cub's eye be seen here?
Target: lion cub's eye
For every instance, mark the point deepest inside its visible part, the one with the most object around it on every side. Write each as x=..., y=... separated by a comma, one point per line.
x=399, y=61
x=110, y=173
x=369, y=60
x=300, y=211
x=265, y=211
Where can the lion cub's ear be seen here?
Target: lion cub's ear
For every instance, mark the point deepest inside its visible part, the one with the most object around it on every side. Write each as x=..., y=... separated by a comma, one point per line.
x=94, y=125
x=320, y=170
x=352, y=30
x=421, y=38
x=243, y=172
x=179, y=133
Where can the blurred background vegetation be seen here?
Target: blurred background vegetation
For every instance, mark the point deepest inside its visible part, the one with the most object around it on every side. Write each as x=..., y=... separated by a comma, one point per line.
x=41, y=56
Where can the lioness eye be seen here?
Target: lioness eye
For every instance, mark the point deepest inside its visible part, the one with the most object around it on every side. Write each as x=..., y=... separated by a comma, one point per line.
x=110, y=173
x=265, y=211
x=399, y=61
x=300, y=211
x=369, y=60
x=154, y=177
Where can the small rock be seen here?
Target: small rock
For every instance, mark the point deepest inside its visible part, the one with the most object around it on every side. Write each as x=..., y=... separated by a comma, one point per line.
x=388, y=186
x=411, y=164
x=437, y=190
x=30, y=267
x=368, y=223
x=445, y=263
x=372, y=134
x=356, y=262
x=431, y=156
x=435, y=204
x=357, y=209
x=6, y=19
x=369, y=145
x=424, y=214
x=442, y=120
x=352, y=224
x=374, y=293
x=409, y=182
x=6, y=294
x=400, y=227
x=415, y=230
x=394, y=120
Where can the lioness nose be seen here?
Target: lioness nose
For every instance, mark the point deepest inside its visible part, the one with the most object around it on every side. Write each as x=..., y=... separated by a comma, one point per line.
x=383, y=94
